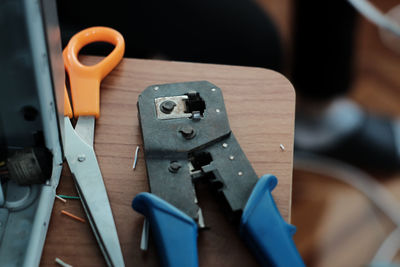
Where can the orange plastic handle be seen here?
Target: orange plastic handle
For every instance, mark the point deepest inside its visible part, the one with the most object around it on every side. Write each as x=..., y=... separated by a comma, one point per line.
x=85, y=80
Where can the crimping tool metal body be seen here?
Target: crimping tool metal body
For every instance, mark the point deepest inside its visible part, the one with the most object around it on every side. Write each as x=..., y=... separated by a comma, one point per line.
x=186, y=137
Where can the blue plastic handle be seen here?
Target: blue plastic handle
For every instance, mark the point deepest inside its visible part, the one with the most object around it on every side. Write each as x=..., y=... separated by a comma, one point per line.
x=174, y=231
x=264, y=230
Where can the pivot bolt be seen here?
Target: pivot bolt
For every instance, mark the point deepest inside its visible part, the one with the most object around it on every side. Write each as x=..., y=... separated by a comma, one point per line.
x=174, y=166
x=167, y=106
x=187, y=131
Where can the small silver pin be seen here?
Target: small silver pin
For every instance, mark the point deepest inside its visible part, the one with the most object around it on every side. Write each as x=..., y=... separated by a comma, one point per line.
x=282, y=147
x=144, y=241
x=136, y=157
x=62, y=263
x=201, y=219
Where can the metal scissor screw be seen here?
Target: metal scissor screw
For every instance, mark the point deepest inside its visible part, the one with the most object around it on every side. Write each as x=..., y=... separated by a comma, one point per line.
x=81, y=158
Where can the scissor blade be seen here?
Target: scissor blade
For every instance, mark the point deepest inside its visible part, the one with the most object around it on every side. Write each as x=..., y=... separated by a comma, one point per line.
x=85, y=128
x=85, y=169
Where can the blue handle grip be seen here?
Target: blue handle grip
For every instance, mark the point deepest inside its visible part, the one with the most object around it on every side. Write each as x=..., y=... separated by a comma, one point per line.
x=174, y=231
x=264, y=230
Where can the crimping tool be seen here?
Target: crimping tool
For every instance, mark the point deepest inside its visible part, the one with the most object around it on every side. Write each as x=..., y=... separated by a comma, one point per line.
x=186, y=138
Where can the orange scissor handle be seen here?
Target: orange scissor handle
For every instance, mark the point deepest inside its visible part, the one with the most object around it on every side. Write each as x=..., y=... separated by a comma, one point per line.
x=85, y=80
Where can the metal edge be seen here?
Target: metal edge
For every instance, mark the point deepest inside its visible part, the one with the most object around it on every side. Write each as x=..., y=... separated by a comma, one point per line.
x=41, y=221
x=48, y=110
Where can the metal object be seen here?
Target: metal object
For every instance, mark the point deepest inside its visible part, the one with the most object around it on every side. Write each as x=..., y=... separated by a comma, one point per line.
x=136, y=158
x=85, y=126
x=187, y=131
x=174, y=167
x=200, y=219
x=196, y=115
x=179, y=110
x=78, y=147
x=188, y=105
x=62, y=263
x=32, y=75
x=144, y=241
x=30, y=165
x=93, y=194
x=1, y=195
x=201, y=145
x=209, y=158
x=167, y=106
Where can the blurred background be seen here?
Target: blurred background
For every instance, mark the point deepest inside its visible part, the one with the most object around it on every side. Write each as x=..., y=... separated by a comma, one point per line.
x=329, y=52
x=337, y=225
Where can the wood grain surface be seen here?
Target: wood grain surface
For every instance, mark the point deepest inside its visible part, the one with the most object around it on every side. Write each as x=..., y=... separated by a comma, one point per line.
x=260, y=105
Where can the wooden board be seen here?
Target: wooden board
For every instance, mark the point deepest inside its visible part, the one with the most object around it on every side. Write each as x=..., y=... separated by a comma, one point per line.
x=260, y=105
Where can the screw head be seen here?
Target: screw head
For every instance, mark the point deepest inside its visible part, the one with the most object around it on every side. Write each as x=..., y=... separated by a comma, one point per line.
x=224, y=145
x=81, y=158
x=174, y=167
x=240, y=173
x=167, y=106
x=187, y=131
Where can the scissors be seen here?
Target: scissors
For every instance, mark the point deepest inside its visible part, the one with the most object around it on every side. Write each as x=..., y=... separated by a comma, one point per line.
x=78, y=147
